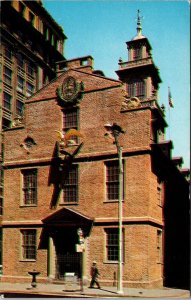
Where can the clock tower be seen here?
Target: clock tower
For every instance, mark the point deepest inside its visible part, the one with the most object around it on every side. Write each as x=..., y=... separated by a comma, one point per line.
x=139, y=73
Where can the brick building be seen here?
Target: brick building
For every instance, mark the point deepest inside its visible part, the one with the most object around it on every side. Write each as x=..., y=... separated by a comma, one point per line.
x=64, y=186
x=31, y=43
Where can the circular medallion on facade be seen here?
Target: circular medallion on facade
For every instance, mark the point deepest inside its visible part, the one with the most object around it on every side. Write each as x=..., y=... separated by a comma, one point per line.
x=69, y=89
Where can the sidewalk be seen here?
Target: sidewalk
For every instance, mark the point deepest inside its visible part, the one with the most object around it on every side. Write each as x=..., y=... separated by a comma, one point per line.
x=57, y=290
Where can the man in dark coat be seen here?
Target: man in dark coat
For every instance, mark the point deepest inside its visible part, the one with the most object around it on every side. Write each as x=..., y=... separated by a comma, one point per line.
x=94, y=275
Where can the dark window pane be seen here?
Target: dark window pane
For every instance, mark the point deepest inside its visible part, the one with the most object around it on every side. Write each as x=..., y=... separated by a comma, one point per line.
x=112, y=180
x=30, y=186
x=29, y=244
x=7, y=101
x=70, y=185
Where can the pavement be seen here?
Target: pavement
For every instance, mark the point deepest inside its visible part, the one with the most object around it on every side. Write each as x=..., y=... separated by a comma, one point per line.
x=24, y=290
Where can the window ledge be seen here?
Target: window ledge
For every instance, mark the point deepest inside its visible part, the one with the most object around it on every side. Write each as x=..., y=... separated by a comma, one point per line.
x=111, y=201
x=68, y=203
x=29, y=205
x=27, y=260
x=112, y=262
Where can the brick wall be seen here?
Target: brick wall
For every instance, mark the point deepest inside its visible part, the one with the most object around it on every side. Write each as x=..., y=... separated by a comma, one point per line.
x=101, y=103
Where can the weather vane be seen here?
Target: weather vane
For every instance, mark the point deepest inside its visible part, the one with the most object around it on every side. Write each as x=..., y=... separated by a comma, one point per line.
x=139, y=27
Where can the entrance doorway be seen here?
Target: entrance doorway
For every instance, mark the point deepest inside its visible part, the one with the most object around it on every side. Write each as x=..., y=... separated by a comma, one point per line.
x=61, y=229
x=67, y=259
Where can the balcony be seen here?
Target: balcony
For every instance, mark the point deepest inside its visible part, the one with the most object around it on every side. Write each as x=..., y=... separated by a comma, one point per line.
x=136, y=63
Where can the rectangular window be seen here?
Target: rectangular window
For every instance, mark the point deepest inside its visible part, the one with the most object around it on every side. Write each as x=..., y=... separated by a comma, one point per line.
x=20, y=84
x=20, y=60
x=1, y=175
x=7, y=75
x=29, y=244
x=6, y=123
x=30, y=69
x=19, y=107
x=29, y=89
x=29, y=187
x=140, y=89
x=159, y=246
x=137, y=53
x=8, y=53
x=7, y=101
x=112, y=180
x=159, y=192
x=70, y=185
x=112, y=244
x=70, y=120
x=136, y=89
x=130, y=89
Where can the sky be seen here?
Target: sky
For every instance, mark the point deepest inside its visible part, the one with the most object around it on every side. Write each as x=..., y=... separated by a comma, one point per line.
x=101, y=28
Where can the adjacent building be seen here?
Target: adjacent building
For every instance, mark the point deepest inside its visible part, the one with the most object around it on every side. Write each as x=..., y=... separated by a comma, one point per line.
x=61, y=209
x=31, y=43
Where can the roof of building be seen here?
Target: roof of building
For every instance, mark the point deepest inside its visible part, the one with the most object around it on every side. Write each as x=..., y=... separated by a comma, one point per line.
x=99, y=82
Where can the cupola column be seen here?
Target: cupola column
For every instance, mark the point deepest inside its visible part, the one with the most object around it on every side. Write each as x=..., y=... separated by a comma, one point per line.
x=130, y=53
x=148, y=87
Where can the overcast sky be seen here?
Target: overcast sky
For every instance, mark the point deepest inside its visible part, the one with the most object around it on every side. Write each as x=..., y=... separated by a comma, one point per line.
x=101, y=28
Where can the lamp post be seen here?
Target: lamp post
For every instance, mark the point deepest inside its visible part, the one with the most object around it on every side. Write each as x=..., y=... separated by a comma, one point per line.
x=114, y=131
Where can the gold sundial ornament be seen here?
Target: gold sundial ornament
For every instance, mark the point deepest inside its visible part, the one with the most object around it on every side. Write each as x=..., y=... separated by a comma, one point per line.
x=70, y=90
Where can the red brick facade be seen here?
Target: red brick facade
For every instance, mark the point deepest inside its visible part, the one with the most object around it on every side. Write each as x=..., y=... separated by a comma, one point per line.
x=142, y=216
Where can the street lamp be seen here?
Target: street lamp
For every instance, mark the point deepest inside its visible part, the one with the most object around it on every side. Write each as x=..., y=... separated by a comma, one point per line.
x=114, y=131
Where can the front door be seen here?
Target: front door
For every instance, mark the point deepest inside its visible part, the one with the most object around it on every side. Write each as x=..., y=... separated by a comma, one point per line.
x=67, y=259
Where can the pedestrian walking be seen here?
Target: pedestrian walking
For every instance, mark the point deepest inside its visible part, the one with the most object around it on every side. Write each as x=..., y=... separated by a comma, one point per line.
x=94, y=275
